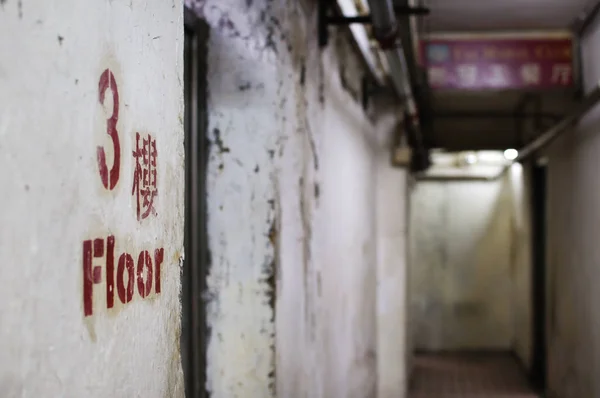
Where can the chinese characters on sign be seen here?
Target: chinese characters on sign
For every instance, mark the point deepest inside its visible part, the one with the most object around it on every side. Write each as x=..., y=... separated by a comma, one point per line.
x=127, y=272
x=144, y=175
x=476, y=64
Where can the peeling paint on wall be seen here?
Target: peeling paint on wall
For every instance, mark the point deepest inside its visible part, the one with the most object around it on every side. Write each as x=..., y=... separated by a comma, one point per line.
x=292, y=285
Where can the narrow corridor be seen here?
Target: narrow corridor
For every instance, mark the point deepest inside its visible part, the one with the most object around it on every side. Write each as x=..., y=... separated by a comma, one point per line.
x=291, y=199
x=469, y=376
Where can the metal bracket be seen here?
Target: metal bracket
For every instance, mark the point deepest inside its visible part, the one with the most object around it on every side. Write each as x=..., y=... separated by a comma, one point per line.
x=326, y=19
x=369, y=88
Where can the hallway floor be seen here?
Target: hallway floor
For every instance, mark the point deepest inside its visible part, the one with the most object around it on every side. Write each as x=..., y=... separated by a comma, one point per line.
x=469, y=376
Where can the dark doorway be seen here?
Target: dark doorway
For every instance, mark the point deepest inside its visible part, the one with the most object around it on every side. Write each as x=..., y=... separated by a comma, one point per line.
x=194, y=328
x=538, y=212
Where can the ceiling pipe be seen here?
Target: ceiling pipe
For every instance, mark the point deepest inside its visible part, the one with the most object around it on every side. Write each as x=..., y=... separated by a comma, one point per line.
x=544, y=139
x=385, y=30
x=547, y=137
x=491, y=114
x=586, y=18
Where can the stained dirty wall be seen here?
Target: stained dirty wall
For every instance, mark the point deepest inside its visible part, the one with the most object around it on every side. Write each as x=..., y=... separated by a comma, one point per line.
x=464, y=290
x=78, y=80
x=292, y=207
x=573, y=322
x=521, y=260
x=393, y=350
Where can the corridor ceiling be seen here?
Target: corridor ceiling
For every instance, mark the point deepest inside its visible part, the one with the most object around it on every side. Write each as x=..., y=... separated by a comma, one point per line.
x=463, y=120
x=502, y=15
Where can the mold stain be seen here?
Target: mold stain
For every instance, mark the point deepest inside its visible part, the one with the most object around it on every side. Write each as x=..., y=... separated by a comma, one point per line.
x=271, y=281
x=273, y=26
x=305, y=218
x=227, y=27
x=244, y=87
x=218, y=141
x=303, y=74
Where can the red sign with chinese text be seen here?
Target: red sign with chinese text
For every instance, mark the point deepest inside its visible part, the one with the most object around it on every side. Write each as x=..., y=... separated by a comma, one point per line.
x=483, y=64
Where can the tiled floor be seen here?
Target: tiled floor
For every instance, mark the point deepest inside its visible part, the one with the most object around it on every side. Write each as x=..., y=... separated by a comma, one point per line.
x=469, y=376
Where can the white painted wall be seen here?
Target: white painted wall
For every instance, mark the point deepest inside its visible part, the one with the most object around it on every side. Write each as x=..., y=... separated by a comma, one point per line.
x=461, y=280
x=573, y=323
x=52, y=54
x=292, y=192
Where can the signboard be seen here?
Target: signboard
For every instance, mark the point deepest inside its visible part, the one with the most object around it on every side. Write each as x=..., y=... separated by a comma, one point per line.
x=498, y=63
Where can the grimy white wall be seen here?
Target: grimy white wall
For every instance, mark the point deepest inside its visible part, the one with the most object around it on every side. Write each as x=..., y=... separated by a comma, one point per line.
x=573, y=322
x=460, y=271
x=469, y=265
x=292, y=195
x=90, y=299
x=393, y=349
x=521, y=260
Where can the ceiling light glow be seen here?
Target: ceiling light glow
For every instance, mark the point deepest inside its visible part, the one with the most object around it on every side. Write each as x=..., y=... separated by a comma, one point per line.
x=471, y=158
x=511, y=154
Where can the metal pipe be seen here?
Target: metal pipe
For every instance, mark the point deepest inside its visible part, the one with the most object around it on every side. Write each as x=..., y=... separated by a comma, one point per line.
x=366, y=19
x=585, y=19
x=399, y=73
x=385, y=26
x=570, y=120
x=361, y=19
x=491, y=114
x=385, y=29
x=589, y=102
x=409, y=10
x=454, y=178
x=546, y=138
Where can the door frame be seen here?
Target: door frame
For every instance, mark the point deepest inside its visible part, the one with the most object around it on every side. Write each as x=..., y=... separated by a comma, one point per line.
x=196, y=261
x=538, y=275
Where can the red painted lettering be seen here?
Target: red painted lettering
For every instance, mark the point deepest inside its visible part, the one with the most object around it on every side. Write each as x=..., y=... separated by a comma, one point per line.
x=91, y=275
x=144, y=175
x=110, y=179
x=125, y=261
x=144, y=261
x=146, y=273
x=159, y=255
x=110, y=271
x=87, y=278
